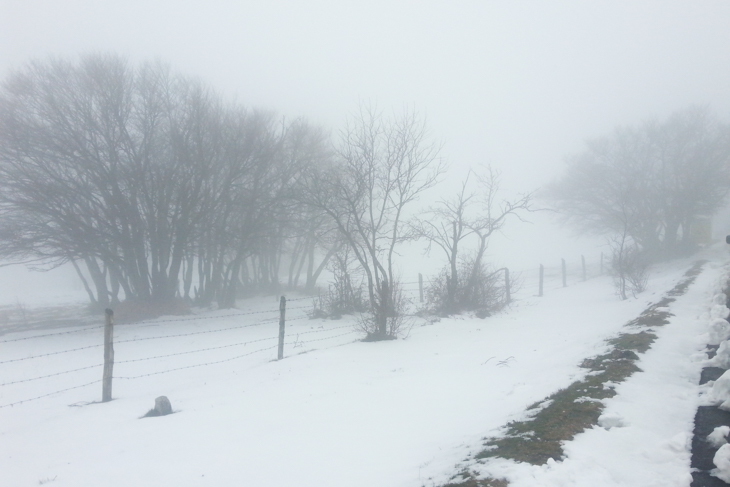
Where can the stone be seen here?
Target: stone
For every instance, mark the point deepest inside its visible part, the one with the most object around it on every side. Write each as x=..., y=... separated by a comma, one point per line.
x=163, y=406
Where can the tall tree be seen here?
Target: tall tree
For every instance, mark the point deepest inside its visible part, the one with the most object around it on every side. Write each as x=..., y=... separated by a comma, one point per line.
x=383, y=165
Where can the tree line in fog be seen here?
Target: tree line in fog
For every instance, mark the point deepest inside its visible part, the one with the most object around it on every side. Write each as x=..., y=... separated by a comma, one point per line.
x=155, y=188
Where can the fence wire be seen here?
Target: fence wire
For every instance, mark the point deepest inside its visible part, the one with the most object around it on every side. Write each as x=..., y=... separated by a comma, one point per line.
x=31, y=357
x=51, y=375
x=51, y=353
x=96, y=327
x=296, y=342
x=195, y=351
x=49, y=394
x=194, y=366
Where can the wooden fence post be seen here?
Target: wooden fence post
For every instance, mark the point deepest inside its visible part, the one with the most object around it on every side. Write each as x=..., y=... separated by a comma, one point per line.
x=420, y=285
x=508, y=295
x=565, y=281
x=106, y=388
x=583, y=263
x=542, y=276
x=282, y=316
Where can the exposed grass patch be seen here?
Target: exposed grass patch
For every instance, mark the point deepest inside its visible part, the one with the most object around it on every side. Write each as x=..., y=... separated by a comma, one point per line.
x=638, y=342
x=468, y=480
x=654, y=315
x=564, y=414
x=567, y=413
x=689, y=278
x=570, y=411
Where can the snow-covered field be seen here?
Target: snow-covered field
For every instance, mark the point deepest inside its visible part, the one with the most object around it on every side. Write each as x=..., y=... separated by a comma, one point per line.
x=340, y=412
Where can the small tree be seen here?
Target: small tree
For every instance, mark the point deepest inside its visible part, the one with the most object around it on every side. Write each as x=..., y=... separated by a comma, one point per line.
x=475, y=212
x=393, y=311
x=383, y=166
x=629, y=267
x=345, y=295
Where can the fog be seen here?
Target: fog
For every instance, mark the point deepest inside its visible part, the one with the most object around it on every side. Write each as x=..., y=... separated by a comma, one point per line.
x=518, y=85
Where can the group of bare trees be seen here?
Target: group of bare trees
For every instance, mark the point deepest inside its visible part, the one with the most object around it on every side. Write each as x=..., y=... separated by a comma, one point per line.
x=649, y=182
x=645, y=188
x=153, y=182
x=156, y=189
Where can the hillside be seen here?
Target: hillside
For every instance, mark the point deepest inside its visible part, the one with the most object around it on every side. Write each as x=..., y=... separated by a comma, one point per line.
x=337, y=411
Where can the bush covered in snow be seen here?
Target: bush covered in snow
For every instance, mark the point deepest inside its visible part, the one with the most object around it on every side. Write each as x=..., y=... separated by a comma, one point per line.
x=477, y=288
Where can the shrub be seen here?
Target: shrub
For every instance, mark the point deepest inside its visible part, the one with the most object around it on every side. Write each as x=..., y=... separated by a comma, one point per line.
x=341, y=296
x=629, y=268
x=478, y=288
x=391, y=307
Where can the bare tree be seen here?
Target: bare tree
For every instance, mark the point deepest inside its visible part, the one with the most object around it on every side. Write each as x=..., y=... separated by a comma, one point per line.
x=383, y=166
x=474, y=212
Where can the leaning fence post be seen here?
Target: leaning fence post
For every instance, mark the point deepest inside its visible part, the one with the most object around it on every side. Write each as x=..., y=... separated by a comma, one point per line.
x=542, y=276
x=282, y=316
x=106, y=389
x=565, y=282
x=420, y=286
x=583, y=262
x=508, y=295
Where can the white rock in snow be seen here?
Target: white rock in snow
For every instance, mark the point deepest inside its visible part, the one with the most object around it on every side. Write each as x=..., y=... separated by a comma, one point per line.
x=718, y=437
x=722, y=462
x=720, y=393
x=719, y=331
x=722, y=357
x=719, y=311
x=611, y=420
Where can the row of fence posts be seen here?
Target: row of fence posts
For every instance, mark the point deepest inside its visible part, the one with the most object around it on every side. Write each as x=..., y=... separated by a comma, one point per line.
x=564, y=273
x=106, y=393
x=106, y=387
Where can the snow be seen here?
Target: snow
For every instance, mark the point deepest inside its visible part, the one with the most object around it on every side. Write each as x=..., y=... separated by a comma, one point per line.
x=722, y=462
x=722, y=357
x=19, y=287
x=337, y=411
x=611, y=420
x=718, y=437
x=720, y=394
x=719, y=331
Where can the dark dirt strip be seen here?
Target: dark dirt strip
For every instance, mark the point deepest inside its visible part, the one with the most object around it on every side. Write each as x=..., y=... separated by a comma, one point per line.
x=706, y=420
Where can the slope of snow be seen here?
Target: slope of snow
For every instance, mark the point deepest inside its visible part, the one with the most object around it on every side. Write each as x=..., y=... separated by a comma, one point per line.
x=654, y=410
x=399, y=413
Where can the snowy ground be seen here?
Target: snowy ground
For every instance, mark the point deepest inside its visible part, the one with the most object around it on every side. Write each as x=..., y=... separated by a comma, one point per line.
x=348, y=413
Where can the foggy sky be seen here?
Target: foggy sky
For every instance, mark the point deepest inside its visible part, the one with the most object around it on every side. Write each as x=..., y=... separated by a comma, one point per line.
x=516, y=84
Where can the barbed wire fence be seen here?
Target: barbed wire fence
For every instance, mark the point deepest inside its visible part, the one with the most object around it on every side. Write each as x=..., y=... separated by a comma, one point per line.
x=116, y=339
x=538, y=281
